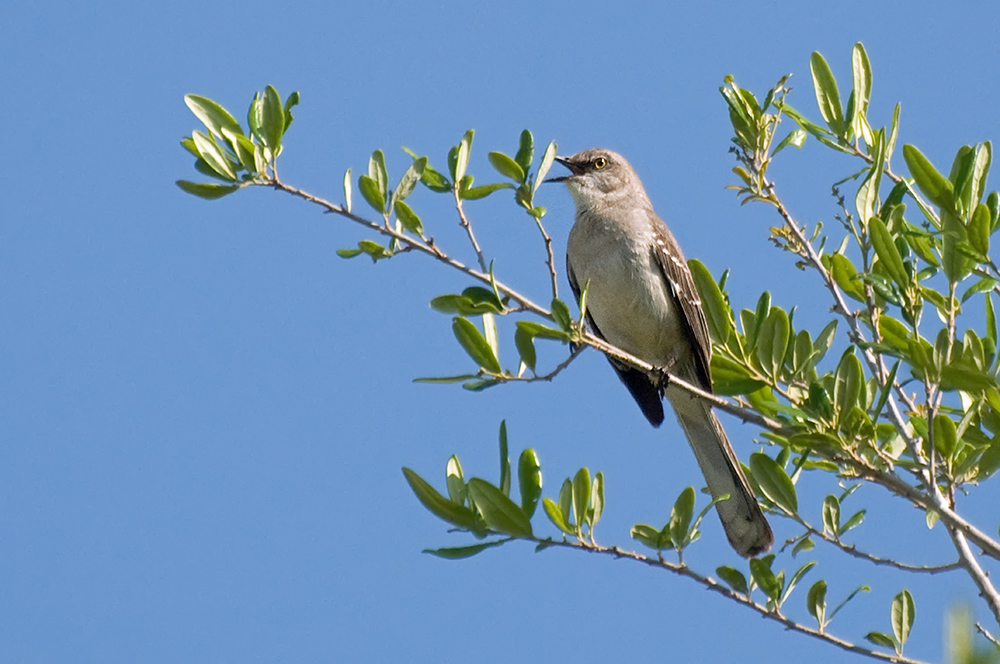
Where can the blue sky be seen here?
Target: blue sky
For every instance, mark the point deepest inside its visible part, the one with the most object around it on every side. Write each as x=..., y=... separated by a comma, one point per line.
x=205, y=410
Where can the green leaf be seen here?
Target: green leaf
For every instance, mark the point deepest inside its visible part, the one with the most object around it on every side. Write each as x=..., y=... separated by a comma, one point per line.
x=244, y=149
x=596, y=499
x=561, y=314
x=880, y=639
x=795, y=138
x=213, y=116
x=566, y=498
x=207, y=190
x=730, y=377
x=525, y=344
x=886, y=390
x=213, y=156
x=556, y=516
x=831, y=515
x=475, y=193
x=290, y=103
x=734, y=578
x=772, y=341
x=717, y=312
x=945, y=435
x=459, y=552
x=902, y=616
x=500, y=512
x=934, y=185
x=504, y=460
x=272, y=120
x=796, y=577
x=529, y=480
x=377, y=172
x=680, y=517
x=506, y=166
x=888, y=254
x=848, y=599
x=435, y=181
x=542, y=331
x=827, y=95
x=543, y=168
x=254, y=115
x=441, y=507
x=980, y=229
x=760, y=570
x=475, y=345
x=971, y=181
x=774, y=482
x=853, y=522
x=849, y=386
x=846, y=277
x=408, y=182
x=649, y=536
x=525, y=151
x=462, y=155
x=408, y=218
x=866, y=200
x=862, y=76
x=581, y=495
x=816, y=602
x=455, y=481
x=370, y=191
x=804, y=544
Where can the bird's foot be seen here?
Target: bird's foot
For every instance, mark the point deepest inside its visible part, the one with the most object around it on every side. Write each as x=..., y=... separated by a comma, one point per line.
x=662, y=378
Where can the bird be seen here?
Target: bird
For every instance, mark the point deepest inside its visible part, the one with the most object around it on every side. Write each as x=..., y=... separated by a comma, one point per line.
x=641, y=298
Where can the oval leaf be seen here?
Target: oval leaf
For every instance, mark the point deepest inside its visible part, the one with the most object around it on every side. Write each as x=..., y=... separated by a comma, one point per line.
x=774, y=482
x=500, y=512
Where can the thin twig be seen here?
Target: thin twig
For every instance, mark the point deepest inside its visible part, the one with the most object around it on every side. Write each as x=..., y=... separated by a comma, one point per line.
x=979, y=577
x=989, y=637
x=875, y=363
x=428, y=247
x=464, y=222
x=852, y=550
x=550, y=260
x=713, y=585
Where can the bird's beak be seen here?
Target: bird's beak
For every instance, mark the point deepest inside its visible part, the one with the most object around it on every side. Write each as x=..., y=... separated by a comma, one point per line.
x=571, y=165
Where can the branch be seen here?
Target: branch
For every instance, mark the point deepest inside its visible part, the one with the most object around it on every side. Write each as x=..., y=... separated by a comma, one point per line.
x=464, y=223
x=989, y=637
x=550, y=260
x=658, y=374
x=713, y=585
x=852, y=550
x=429, y=248
x=413, y=243
x=875, y=364
x=979, y=577
x=934, y=502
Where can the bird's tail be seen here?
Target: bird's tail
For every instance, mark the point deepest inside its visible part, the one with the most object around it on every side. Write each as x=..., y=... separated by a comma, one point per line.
x=745, y=525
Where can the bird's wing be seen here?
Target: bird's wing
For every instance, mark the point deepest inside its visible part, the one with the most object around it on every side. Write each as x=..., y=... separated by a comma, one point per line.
x=639, y=386
x=680, y=284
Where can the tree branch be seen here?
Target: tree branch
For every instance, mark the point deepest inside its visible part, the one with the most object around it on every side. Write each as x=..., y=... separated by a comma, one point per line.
x=979, y=577
x=852, y=550
x=464, y=223
x=713, y=585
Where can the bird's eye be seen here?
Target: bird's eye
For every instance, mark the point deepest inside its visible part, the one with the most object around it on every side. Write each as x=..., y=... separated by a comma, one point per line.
x=600, y=163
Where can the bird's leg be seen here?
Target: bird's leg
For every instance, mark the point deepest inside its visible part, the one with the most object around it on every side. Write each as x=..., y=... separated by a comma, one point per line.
x=663, y=375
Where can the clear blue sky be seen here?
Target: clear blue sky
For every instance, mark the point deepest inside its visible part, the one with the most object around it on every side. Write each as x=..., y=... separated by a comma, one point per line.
x=205, y=411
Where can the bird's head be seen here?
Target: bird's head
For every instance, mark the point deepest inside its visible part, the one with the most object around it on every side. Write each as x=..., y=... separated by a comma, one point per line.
x=599, y=178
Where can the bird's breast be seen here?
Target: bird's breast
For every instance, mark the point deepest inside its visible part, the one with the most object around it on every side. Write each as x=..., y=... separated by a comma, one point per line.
x=627, y=297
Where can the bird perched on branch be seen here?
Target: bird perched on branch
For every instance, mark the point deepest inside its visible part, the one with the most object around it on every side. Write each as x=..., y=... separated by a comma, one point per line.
x=641, y=298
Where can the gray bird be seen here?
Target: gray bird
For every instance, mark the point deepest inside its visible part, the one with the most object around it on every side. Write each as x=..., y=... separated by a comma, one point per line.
x=641, y=298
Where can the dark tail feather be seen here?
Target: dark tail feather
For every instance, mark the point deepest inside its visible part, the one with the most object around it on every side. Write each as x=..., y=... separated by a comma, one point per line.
x=745, y=525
